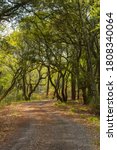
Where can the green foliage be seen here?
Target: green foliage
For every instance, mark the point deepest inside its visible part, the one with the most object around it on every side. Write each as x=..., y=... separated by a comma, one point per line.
x=94, y=120
x=60, y=104
x=5, y=103
x=73, y=110
x=58, y=41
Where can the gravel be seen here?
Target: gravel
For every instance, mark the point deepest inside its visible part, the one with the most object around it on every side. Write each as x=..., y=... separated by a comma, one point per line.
x=46, y=129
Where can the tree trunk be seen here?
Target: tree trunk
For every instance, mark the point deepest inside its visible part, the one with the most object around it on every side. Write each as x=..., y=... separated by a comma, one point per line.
x=64, y=96
x=24, y=90
x=84, y=94
x=91, y=78
x=16, y=76
x=48, y=86
x=73, y=87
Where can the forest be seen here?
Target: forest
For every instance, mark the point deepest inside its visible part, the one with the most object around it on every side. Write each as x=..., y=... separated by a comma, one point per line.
x=50, y=48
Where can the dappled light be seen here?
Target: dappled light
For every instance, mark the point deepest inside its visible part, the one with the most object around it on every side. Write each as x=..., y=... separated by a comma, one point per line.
x=49, y=74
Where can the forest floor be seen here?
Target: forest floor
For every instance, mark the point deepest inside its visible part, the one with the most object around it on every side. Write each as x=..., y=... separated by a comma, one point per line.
x=48, y=125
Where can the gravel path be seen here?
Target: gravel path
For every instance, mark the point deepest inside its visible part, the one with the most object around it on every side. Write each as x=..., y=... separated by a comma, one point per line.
x=46, y=129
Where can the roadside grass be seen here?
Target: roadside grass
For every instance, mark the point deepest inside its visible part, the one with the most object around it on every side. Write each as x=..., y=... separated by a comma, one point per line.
x=94, y=119
x=84, y=112
x=7, y=102
x=73, y=110
x=60, y=104
x=4, y=103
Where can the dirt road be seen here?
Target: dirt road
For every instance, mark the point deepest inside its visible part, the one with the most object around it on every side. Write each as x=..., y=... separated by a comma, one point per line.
x=45, y=128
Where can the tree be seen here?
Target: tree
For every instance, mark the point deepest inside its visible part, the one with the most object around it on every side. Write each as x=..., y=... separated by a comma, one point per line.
x=63, y=38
